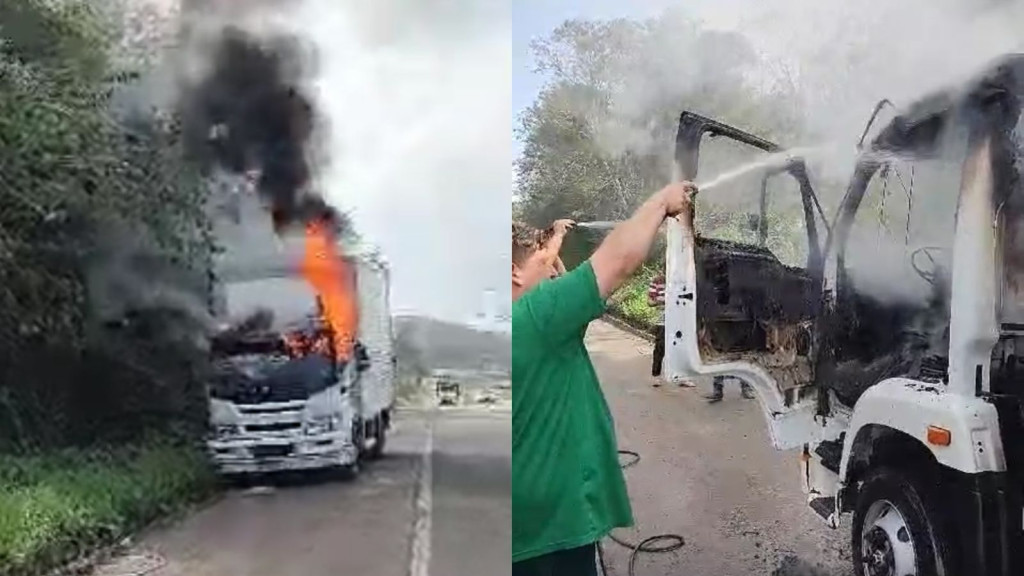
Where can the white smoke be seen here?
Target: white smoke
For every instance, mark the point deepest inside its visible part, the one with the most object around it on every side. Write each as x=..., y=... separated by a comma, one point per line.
x=843, y=57
x=416, y=96
x=832, y=62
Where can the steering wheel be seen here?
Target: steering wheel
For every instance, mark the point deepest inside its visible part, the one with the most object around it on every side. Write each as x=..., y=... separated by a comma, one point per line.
x=929, y=252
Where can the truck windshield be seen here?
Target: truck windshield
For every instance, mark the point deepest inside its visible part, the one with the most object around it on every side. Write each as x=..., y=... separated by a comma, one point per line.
x=290, y=300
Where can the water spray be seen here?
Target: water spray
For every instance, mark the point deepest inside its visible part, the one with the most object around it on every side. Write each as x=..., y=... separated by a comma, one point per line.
x=599, y=224
x=776, y=160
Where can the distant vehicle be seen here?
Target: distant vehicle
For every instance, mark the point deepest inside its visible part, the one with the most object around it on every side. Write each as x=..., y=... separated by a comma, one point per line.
x=448, y=392
x=272, y=409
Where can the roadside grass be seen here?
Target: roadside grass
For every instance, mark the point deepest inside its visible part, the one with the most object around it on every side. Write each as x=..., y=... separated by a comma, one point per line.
x=55, y=507
x=629, y=302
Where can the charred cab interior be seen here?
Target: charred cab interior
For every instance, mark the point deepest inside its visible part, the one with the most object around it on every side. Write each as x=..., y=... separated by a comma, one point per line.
x=885, y=309
x=870, y=331
x=872, y=296
x=948, y=141
x=751, y=305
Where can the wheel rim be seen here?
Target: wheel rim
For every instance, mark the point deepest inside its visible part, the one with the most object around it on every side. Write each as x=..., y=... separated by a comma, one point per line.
x=887, y=545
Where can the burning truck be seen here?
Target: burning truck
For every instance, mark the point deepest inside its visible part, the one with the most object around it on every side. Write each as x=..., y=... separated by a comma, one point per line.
x=304, y=367
x=304, y=364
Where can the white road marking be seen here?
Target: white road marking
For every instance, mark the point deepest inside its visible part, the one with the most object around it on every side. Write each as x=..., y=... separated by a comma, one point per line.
x=419, y=562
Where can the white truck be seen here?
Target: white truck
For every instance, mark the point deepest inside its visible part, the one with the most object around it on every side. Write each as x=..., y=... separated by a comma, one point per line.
x=271, y=412
x=901, y=393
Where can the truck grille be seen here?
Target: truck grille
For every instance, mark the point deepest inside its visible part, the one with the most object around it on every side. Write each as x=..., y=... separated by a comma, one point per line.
x=271, y=451
x=273, y=427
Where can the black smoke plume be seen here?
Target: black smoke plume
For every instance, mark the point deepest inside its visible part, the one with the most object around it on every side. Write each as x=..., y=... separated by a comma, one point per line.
x=249, y=115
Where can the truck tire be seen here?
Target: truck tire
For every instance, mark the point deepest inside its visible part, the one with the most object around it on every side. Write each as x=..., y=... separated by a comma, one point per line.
x=359, y=437
x=897, y=529
x=380, y=436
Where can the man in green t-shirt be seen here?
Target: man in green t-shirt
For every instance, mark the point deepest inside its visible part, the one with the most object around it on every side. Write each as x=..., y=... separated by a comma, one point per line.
x=568, y=491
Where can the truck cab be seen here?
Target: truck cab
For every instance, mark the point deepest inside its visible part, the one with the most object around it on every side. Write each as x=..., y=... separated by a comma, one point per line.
x=883, y=352
x=280, y=400
x=272, y=408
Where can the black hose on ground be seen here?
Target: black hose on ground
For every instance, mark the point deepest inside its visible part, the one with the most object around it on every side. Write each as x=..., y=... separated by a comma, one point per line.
x=659, y=544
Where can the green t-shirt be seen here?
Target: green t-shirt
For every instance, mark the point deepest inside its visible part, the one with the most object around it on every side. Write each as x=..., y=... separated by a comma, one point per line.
x=567, y=487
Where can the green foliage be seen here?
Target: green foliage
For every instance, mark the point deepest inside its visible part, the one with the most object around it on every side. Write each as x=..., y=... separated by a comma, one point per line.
x=599, y=137
x=630, y=301
x=55, y=506
x=81, y=182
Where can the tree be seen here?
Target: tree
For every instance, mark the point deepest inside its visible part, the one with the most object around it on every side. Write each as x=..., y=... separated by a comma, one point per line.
x=97, y=205
x=599, y=137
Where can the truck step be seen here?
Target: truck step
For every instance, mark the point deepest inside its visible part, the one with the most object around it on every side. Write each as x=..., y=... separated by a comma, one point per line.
x=825, y=508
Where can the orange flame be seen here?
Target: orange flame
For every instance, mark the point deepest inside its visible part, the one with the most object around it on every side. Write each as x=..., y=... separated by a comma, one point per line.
x=330, y=276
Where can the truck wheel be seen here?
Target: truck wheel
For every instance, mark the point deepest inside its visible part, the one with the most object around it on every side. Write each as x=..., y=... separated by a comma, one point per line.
x=380, y=435
x=896, y=529
x=358, y=437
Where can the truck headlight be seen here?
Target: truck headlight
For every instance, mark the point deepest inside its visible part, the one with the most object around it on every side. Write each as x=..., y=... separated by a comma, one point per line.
x=226, y=430
x=321, y=425
x=223, y=414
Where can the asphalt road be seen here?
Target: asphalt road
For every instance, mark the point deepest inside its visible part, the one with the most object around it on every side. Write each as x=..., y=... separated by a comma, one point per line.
x=437, y=504
x=707, y=472
x=710, y=474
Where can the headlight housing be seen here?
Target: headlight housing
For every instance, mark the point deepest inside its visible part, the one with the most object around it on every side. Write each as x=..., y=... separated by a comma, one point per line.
x=223, y=414
x=322, y=425
x=226, y=430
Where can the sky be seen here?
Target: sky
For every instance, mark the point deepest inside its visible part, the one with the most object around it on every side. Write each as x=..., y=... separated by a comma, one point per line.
x=416, y=108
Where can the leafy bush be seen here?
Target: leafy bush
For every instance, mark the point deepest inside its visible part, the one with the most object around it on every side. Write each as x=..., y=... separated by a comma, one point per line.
x=55, y=506
x=104, y=244
x=91, y=189
x=630, y=301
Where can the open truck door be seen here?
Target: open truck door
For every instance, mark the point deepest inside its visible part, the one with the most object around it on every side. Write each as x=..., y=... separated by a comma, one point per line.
x=733, y=307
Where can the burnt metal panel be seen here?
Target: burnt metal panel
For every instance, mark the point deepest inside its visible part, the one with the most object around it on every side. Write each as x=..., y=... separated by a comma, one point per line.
x=693, y=127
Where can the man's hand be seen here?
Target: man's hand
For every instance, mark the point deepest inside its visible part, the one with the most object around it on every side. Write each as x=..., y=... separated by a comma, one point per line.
x=553, y=240
x=677, y=197
x=562, y=227
x=656, y=292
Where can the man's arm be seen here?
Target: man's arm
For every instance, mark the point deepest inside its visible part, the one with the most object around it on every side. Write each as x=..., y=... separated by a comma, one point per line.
x=627, y=246
x=559, y=266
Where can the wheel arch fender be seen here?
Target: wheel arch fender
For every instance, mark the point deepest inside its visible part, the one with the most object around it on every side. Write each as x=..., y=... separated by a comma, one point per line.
x=894, y=415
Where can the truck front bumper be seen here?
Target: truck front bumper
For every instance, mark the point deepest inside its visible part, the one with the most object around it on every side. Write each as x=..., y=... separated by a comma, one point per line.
x=242, y=455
